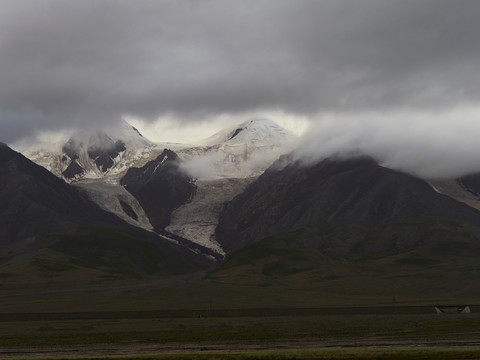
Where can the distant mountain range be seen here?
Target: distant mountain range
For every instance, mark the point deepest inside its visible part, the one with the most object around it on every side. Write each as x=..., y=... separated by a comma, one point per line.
x=120, y=204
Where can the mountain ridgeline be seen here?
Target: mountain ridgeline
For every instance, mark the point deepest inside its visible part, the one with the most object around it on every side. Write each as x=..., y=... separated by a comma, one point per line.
x=335, y=194
x=329, y=223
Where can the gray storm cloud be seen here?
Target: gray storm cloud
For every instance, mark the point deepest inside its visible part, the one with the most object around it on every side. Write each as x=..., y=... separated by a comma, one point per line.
x=80, y=63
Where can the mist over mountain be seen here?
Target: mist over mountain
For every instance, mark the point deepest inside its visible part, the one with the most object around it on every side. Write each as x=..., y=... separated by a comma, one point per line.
x=242, y=151
x=93, y=153
x=382, y=188
x=144, y=184
x=431, y=145
x=349, y=225
x=318, y=212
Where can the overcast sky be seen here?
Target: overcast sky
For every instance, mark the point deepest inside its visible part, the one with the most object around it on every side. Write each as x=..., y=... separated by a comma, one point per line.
x=69, y=63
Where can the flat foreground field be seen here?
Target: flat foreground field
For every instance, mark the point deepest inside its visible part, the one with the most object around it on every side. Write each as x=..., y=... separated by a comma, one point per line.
x=334, y=336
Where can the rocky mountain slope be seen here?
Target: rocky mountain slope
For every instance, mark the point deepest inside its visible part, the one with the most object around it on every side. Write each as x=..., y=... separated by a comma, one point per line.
x=223, y=165
x=50, y=227
x=327, y=223
x=160, y=187
x=103, y=164
x=332, y=194
x=35, y=202
x=350, y=226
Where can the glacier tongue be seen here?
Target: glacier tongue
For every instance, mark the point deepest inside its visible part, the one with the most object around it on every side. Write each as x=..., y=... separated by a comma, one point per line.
x=198, y=219
x=110, y=197
x=224, y=164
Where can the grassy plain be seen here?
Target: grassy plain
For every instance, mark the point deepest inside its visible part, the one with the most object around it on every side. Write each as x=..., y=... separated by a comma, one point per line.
x=428, y=336
x=398, y=353
x=194, y=318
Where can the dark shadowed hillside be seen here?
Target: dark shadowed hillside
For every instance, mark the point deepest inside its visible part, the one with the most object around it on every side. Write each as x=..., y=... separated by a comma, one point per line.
x=344, y=219
x=160, y=187
x=36, y=203
x=48, y=226
x=354, y=192
x=471, y=183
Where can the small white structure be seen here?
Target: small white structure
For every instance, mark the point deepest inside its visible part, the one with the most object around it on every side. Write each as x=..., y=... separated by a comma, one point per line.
x=452, y=309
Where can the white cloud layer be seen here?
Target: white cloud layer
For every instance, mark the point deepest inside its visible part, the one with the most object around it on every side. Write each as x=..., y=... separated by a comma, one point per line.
x=427, y=144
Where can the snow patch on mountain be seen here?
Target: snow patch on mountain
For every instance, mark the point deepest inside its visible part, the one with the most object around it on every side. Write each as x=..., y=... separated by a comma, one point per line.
x=452, y=188
x=115, y=199
x=92, y=154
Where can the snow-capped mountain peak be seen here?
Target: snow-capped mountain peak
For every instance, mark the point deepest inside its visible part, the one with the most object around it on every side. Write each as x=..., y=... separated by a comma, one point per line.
x=240, y=151
x=258, y=132
x=93, y=153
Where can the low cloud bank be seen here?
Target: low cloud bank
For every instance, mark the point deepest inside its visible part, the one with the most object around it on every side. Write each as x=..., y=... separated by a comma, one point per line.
x=202, y=167
x=429, y=145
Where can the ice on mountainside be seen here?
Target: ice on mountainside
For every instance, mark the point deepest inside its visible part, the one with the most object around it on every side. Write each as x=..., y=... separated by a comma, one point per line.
x=115, y=199
x=221, y=165
x=258, y=132
x=197, y=219
x=226, y=163
x=243, y=151
x=238, y=152
x=92, y=154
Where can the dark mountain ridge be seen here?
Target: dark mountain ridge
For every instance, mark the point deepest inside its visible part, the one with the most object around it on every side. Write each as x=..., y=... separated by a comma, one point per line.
x=31, y=194
x=329, y=194
x=349, y=227
x=48, y=226
x=160, y=186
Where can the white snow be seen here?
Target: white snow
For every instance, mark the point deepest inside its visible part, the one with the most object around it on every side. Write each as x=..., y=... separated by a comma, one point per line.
x=243, y=151
x=222, y=165
x=108, y=196
x=197, y=220
x=257, y=132
x=51, y=156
